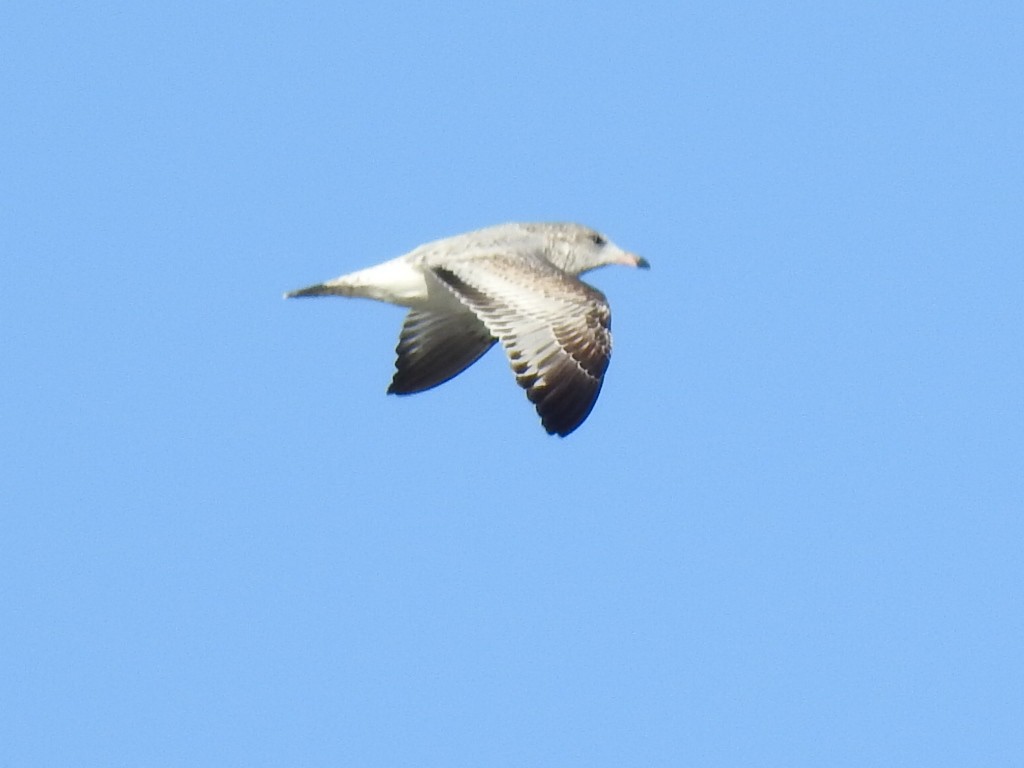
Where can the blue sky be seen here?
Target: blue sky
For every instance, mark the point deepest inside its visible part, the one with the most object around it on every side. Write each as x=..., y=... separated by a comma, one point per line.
x=789, y=533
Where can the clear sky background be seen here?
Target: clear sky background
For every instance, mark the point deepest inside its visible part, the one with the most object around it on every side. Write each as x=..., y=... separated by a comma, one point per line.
x=789, y=534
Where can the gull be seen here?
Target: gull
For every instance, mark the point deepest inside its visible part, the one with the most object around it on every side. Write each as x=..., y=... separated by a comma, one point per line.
x=514, y=283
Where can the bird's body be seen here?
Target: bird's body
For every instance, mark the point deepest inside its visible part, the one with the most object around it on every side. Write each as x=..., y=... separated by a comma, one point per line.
x=514, y=283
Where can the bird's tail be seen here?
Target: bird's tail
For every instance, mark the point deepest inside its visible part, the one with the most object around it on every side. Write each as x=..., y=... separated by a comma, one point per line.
x=330, y=288
x=396, y=282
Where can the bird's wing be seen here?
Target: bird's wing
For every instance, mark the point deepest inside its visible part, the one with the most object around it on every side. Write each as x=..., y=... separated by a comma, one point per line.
x=436, y=346
x=556, y=330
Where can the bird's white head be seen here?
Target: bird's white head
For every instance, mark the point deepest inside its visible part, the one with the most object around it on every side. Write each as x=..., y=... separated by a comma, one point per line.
x=578, y=249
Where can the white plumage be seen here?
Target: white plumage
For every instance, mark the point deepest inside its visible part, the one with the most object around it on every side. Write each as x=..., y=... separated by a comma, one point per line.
x=513, y=283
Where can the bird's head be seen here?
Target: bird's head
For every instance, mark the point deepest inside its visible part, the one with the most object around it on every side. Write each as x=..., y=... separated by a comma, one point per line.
x=578, y=249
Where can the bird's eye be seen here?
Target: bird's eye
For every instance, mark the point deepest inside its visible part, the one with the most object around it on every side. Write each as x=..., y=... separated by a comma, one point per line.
x=598, y=240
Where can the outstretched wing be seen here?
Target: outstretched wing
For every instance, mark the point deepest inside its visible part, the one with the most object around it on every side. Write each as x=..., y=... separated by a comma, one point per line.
x=556, y=330
x=436, y=346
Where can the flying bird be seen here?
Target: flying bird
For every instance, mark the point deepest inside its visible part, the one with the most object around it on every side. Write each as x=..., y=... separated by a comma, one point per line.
x=514, y=283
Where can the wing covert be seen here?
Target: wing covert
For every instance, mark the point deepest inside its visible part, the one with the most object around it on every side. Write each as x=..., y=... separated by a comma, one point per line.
x=555, y=329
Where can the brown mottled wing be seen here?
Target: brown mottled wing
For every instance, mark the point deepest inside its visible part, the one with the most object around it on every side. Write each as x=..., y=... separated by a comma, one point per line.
x=435, y=347
x=556, y=330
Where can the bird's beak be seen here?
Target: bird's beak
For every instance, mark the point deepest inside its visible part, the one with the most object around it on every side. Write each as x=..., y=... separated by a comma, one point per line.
x=639, y=262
